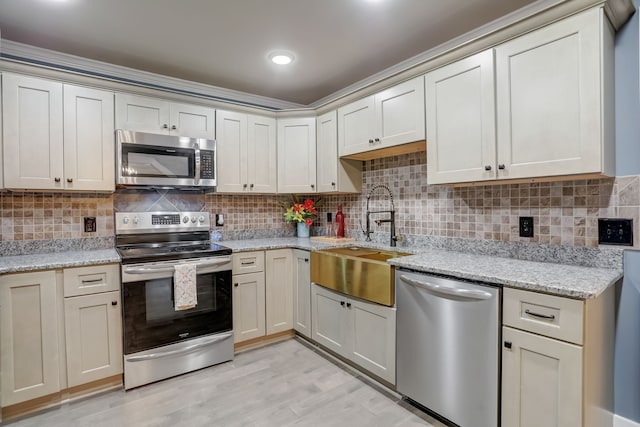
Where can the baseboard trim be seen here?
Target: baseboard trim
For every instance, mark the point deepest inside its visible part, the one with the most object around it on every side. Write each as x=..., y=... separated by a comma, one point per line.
x=262, y=341
x=619, y=421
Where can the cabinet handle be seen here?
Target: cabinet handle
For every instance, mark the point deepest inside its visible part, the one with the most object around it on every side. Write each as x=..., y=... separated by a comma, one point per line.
x=342, y=303
x=541, y=316
x=348, y=305
x=371, y=141
x=165, y=126
x=487, y=167
x=114, y=302
x=92, y=281
x=507, y=344
x=501, y=167
x=69, y=180
x=56, y=179
x=173, y=127
x=247, y=263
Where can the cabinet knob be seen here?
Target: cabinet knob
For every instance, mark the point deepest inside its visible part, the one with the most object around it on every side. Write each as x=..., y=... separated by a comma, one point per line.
x=235, y=284
x=306, y=260
x=377, y=140
x=371, y=141
x=507, y=344
x=333, y=184
x=342, y=303
x=244, y=185
x=165, y=126
x=173, y=127
x=251, y=186
x=114, y=302
x=487, y=167
x=313, y=186
x=501, y=167
x=348, y=305
x=69, y=180
x=56, y=179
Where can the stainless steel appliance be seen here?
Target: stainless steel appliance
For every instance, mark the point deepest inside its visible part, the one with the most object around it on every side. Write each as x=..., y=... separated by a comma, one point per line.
x=448, y=347
x=159, y=341
x=165, y=161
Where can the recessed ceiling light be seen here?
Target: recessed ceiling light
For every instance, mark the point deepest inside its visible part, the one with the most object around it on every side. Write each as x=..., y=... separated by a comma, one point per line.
x=281, y=58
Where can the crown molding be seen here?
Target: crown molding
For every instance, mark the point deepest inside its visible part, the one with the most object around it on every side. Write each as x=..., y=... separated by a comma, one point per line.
x=19, y=52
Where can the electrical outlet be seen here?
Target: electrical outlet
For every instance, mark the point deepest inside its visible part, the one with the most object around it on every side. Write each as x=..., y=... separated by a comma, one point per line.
x=526, y=226
x=615, y=231
x=219, y=220
x=89, y=224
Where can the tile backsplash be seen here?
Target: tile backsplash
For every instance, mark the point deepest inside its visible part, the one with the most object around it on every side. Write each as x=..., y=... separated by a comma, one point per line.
x=565, y=212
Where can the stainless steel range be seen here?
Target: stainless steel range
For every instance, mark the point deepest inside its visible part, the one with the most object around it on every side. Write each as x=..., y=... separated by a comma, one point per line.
x=160, y=340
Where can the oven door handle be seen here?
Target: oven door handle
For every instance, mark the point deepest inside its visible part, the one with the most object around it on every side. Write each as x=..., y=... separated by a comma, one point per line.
x=150, y=270
x=187, y=349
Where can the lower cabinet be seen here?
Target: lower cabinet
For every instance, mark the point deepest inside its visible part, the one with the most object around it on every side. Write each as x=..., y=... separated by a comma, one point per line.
x=29, y=338
x=262, y=293
x=58, y=321
x=362, y=332
x=93, y=328
x=557, y=360
x=302, y=292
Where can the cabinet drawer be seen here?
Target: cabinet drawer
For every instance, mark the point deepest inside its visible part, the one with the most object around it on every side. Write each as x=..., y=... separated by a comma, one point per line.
x=91, y=280
x=553, y=316
x=248, y=262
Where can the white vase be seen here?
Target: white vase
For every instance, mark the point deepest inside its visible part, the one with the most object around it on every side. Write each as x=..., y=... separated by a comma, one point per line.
x=303, y=229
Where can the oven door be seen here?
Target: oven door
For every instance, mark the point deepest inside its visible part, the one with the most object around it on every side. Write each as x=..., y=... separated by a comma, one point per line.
x=150, y=319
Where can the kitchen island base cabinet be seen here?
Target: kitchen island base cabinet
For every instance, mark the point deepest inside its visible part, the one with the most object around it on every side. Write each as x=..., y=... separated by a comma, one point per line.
x=361, y=332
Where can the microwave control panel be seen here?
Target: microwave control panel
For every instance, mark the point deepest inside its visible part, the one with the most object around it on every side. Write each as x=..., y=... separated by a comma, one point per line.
x=206, y=164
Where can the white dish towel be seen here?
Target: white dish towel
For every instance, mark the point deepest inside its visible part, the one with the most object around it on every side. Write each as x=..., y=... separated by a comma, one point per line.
x=185, y=293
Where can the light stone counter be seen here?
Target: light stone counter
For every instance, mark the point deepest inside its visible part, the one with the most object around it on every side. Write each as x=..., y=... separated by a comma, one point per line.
x=50, y=261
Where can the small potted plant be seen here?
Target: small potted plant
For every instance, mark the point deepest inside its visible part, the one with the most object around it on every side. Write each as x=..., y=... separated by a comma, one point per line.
x=302, y=214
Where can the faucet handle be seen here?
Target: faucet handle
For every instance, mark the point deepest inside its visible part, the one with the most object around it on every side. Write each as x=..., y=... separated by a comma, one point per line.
x=398, y=238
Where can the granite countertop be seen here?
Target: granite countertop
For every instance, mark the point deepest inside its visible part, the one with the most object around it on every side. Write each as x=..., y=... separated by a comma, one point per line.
x=558, y=279
x=49, y=261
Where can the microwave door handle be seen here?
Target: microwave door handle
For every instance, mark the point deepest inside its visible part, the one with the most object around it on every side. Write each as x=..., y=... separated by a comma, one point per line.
x=196, y=147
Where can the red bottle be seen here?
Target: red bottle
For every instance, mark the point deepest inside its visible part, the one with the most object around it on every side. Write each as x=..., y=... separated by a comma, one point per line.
x=340, y=222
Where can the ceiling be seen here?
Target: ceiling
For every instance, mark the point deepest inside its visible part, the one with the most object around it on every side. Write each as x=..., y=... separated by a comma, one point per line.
x=226, y=43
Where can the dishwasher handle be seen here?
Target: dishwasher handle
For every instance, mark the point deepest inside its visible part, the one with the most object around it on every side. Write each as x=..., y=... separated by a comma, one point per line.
x=446, y=291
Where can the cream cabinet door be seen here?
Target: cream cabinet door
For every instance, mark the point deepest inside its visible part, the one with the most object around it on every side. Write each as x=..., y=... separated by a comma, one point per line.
x=93, y=330
x=262, y=159
x=460, y=113
x=279, y=290
x=550, y=86
x=399, y=114
x=193, y=121
x=32, y=133
x=297, y=155
x=374, y=338
x=142, y=114
x=334, y=174
x=232, y=154
x=356, y=127
x=302, y=292
x=29, y=352
x=248, y=306
x=89, y=161
x=330, y=320
x=541, y=381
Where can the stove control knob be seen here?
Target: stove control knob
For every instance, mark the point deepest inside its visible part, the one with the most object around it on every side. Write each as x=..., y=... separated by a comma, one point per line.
x=125, y=220
x=201, y=219
x=193, y=219
x=185, y=219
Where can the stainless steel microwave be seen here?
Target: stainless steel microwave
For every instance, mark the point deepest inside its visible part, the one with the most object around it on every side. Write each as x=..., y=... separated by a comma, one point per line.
x=145, y=159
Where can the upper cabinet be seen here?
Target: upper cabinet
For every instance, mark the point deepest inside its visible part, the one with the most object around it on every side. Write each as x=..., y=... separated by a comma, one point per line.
x=143, y=114
x=297, y=155
x=246, y=149
x=552, y=106
x=57, y=136
x=334, y=174
x=387, y=119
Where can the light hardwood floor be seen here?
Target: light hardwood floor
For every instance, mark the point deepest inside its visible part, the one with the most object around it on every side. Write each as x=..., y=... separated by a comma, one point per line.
x=283, y=384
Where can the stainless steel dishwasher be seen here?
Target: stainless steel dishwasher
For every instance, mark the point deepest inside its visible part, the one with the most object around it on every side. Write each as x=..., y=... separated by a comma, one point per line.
x=448, y=335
